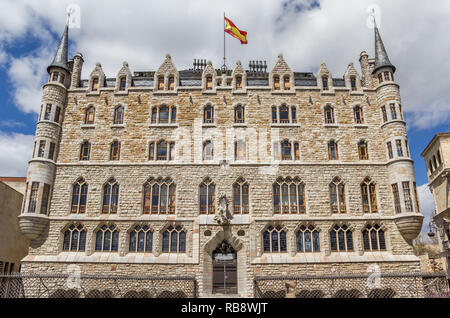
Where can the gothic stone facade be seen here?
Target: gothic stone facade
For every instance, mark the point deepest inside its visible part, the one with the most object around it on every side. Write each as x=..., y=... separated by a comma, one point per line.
x=51, y=210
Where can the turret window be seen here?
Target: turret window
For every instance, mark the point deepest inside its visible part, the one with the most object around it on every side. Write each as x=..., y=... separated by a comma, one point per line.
x=207, y=197
x=159, y=196
x=369, y=196
x=33, y=197
x=416, y=196
x=48, y=111
x=380, y=78
x=398, y=143
x=390, y=152
x=363, y=151
x=45, y=199
x=289, y=196
x=141, y=239
x=85, y=151
x=55, y=76
x=57, y=114
x=337, y=196
x=118, y=115
x=75, y=239
x=79, y=197
x=329, y=115
x=383, y=110
x=51, y=151
x=275, y=239
x=374, y=238
x=90, y=116
x=397, y=205
x=107, y=239
x=358, y=113
x=174, y=240
x=341, y=239
x=439, y=157
x=41, y=149
x=307, y=239
x=110, y=196
x=115, y=151
x=393, y=112
x=407, y=196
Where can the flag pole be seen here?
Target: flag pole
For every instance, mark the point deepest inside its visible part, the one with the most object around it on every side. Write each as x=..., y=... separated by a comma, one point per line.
x=224, y=66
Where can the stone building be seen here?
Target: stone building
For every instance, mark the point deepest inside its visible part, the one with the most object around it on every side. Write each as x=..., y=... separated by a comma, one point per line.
x=13, y=245
x=252, y=172
x=437, y=160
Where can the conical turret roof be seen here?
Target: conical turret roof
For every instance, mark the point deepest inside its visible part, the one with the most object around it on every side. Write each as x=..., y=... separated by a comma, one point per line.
x=60, y=59
x=381, y=56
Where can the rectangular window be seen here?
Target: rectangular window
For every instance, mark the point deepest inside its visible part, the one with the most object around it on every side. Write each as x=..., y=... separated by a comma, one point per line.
x=416, y=196
x=383, y=109
x=45, y=197
x=325, y=83
x=407, y=195
x=48, y=110
x=276, y=83
x=287, y=84
x=95, y=84
x=57, y=114
x=161, y=83
x=33, y=197
x=238, y=83
x=399, y=148
x=209, y=83
x=407, y=148
x=387, y=76
x=380, y=78
x=123, y=83
x=398, y=208
x=389, y=147
x=439, y=157
x=55, y=76
x=274, y=115
x=353, y=83
x=393, y=112
x=41, y=149
x=171, y=83
x=400, y=111
x=51, y=152
x=62, y=78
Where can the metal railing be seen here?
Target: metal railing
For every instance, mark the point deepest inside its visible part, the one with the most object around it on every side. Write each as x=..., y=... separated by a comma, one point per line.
x=95, y=286
x=411, y=285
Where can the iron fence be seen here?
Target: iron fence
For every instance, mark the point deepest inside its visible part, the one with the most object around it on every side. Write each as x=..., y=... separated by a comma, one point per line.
x=412, y=285
x=95, y=286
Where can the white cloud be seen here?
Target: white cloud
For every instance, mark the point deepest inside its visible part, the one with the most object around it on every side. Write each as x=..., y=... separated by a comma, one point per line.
x=16, y=152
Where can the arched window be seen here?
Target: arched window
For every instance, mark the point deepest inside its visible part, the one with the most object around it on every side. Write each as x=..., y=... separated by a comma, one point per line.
x=341, y=239
x=359, y=119
x=209, y=83
x=141, y=239
x=95, y=84
x=289, y=196
x=307, y=239
x=161, y=150
x=79, y=196
x=337, y=196
x=275, y=240
x=369, y=196
x=239, y=115
x=363, y=151
x=115, y=151
x=239, y=150
x=207, y=191
x=161, y=83
x=238, y=83
x=118, y=115
x=122, y=83
x=284, y=114
x=110, y=196
x=75, y=239
x=333, y=150
x=276, y=83
x=171, y=83
x=159, y=196
x=90, y=116
x=286, y=83
x=240, y=197
x=208, y=116
x=374, y=238
x=329, y=115
x=85, y=151
x=174, y=240
x=286, y=150
x=163, y=114
x=208, y=150
x=107, y=239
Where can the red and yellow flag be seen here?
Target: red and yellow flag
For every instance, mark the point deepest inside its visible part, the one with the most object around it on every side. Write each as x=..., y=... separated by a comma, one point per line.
x=231, y=29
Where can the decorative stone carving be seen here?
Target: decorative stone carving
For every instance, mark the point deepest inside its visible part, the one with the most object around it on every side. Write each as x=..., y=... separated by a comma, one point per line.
x=409, y=226
x=223, y=216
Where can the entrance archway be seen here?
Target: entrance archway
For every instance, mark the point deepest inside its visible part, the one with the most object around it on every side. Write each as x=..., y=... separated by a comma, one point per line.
x=224, y=269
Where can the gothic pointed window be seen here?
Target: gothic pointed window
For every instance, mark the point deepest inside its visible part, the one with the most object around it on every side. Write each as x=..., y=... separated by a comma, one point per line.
x=238, y=83
x=115, y=151
x=118, y=115
x=123, y=83
x=207, y=197
x=90, y=116
x=275, y=239
x=289, y=196
x=329, y=115
x=307, y=239
x=286, y=150
x=85, y=151
x=369, y=196
x=239, y=115
x=171, y=83
x=341, y=239
x=110, y=196
x=363, y=151
x=161, y=83
x=162, y=150
x=337, y=196
x=107, y=239
x=374, y=238
x=208, y=150
x=333, y=150
x=151, y=151
x=276, y=83
x=79, y=196
x=208, y=115
x=163, y=114
x=358, y=113
x=240, y=150
x=284, y=114
x=141, y=239
x=240, y=197
x=75, y=238
x=174, y=240
x=159, y=196
x=286, y=83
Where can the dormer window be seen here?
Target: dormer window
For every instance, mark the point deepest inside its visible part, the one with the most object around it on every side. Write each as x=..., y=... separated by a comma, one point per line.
x=55, y=76
x=380, y=78
x=171, y=83
x=160, y=83
x=353, y=83
x=209, y=83
x=95, y=84
x=287, y=83
x=276, y=83
x=238, y=82
x=387, y=76
x=325, y=83
x=123, y=83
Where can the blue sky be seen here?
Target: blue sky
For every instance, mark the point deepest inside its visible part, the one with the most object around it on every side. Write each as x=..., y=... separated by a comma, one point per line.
x=307, y=32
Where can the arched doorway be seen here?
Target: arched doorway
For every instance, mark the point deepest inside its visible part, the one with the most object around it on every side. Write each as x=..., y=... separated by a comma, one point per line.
x=224, y=269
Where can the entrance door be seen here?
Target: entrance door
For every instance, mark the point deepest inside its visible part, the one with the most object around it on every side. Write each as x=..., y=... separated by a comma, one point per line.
x=224, y=270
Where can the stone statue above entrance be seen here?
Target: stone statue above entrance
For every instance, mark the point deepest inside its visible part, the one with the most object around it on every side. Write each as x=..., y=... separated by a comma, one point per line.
x=223, y=216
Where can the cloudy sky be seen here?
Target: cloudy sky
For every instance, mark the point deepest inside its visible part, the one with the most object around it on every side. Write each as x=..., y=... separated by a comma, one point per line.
x=307, y=32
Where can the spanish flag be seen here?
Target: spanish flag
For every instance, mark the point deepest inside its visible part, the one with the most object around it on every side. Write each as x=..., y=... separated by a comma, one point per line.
x=231, y=29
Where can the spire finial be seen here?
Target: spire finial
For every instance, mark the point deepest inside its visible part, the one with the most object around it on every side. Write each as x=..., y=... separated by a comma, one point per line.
x=60, y=59
x=381, y=56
